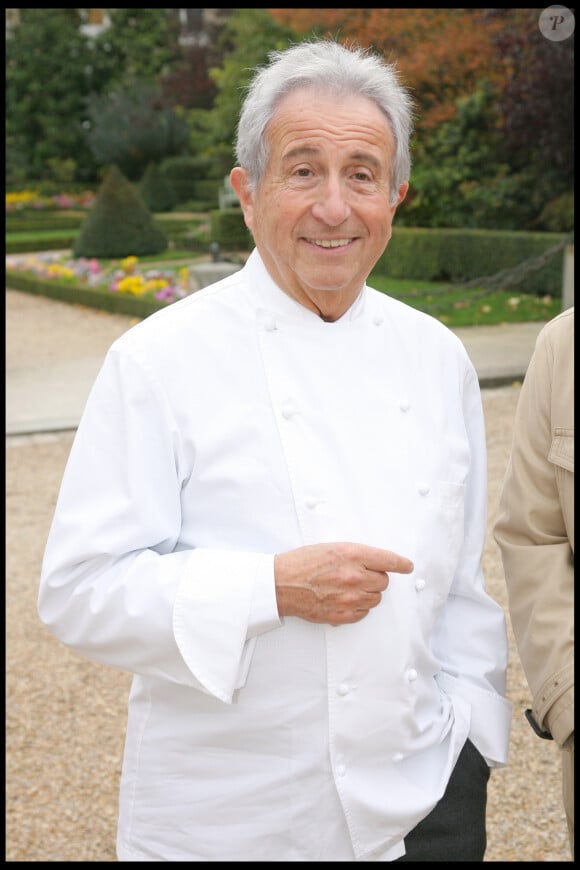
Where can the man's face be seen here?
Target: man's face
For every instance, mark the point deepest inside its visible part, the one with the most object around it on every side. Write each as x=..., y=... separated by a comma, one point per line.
x=321, y=217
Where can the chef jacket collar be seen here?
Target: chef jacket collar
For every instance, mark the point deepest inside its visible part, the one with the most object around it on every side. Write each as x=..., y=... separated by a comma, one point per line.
x=272, y=300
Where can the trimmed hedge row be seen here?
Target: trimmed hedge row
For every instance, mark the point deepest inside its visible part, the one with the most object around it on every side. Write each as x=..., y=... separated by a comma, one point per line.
x=451, y=255
x=31, y=245
x=464, y=255
x=43, y=220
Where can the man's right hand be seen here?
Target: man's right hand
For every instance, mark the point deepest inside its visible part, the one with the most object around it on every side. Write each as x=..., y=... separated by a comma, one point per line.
x=334, y=583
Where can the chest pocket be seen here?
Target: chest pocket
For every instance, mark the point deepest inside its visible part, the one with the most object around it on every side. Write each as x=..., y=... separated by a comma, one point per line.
x=562, y=449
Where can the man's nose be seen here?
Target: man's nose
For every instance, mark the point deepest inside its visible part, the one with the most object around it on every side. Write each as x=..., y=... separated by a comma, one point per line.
x=331, y=206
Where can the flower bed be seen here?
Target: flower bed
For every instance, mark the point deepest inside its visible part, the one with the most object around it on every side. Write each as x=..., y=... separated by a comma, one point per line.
x=122, y=286
x=32, y=199
x=124, y=276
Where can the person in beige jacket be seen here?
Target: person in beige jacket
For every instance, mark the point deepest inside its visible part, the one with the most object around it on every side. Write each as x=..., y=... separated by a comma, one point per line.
x=534, y=530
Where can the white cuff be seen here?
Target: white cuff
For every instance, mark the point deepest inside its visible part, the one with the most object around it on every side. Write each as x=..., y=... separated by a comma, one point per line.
x=215, y=605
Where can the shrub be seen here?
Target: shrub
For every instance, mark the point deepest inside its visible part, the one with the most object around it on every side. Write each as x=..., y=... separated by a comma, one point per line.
x=119, y=224
x=229, y=229
x=184, y=173
x=206, y=191
x=558, y=215
x=156, y=189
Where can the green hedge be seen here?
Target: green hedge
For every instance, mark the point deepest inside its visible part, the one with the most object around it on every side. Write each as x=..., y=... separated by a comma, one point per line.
x=451, y=255
x=206, y=190
x=229, y=229
x=45, y=220
x=52, y=242
x=184, y=174
x=463, y=255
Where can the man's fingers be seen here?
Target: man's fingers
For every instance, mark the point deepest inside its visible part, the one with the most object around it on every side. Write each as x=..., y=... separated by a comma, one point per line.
x=334, y=583
x=375, y=559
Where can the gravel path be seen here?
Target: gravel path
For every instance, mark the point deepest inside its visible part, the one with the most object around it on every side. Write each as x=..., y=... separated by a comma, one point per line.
x=66, y=716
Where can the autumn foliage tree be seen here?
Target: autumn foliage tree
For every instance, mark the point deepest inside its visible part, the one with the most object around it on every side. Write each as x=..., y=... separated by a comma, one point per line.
x=442, y=54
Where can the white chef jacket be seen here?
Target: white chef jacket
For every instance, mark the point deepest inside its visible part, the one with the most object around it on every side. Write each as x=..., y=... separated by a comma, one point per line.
x=233, y=425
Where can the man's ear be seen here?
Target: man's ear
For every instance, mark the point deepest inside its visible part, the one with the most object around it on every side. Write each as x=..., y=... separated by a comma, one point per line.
x=402, y=192
x=400, y=197
x=239, y=182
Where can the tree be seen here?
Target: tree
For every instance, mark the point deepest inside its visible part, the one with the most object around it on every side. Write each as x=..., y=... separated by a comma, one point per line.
x=188, y=84
x=48, y=77
x=140, y=44
x=245, y=40
x=54, y=74
x=442, y=54
x=158, y=46
x=537, y=107
x=460, y=179
x=131, y=128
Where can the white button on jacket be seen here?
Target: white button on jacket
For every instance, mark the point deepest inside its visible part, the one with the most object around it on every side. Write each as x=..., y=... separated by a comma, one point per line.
x=188, y=473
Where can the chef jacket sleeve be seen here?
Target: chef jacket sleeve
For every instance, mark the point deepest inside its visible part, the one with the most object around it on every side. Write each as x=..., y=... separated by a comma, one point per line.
x=470, y=638
x=115, y=585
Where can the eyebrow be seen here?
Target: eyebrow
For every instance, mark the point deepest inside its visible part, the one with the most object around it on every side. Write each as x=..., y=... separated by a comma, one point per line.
x=310, y=151
x=300, y=151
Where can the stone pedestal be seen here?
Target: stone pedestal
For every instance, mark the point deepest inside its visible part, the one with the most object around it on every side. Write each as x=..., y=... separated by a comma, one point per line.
x=203, y=274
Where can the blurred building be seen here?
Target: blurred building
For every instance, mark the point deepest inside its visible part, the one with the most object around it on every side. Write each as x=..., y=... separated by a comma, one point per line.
x=196, y=26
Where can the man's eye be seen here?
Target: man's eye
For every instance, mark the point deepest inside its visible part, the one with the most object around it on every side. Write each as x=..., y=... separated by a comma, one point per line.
x=303, y=172
x=362, y=176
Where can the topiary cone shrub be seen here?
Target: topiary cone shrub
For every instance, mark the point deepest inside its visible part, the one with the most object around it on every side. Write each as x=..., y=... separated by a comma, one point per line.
x=119, y=224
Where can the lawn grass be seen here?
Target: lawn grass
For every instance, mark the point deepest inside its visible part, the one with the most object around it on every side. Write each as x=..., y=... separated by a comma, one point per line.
x=456, y=307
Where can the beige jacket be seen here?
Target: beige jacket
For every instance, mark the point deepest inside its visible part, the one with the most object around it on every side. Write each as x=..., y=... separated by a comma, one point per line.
x=535, y=527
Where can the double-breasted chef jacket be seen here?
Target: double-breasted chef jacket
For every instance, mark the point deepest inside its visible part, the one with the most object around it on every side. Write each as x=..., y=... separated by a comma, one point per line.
x=233, y=425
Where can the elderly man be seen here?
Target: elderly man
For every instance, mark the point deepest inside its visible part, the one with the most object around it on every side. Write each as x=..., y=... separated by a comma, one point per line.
x=273, y=515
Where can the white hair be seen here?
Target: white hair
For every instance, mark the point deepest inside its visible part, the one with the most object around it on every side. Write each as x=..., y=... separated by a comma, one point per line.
x=328, y=65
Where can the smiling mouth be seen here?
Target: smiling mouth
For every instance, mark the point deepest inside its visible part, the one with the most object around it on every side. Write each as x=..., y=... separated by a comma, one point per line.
x=330, y=243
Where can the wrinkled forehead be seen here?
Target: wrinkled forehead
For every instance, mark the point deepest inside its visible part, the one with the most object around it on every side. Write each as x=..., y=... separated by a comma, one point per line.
x=309, y=112
x=316, y=94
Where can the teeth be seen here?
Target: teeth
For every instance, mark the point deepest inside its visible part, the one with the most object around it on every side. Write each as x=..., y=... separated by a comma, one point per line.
x=331, y=243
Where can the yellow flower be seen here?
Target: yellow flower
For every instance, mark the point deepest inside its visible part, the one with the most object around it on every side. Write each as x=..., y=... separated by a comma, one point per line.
x=21, y=196
x=55, y=270
x=133, y=284
x=128, y=264
x=155, y=284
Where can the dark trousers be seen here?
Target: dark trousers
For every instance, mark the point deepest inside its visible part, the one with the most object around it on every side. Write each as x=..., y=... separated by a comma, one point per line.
x=455, y=829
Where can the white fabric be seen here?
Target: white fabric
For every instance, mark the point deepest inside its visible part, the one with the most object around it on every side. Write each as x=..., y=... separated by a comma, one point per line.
x=231, y=426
